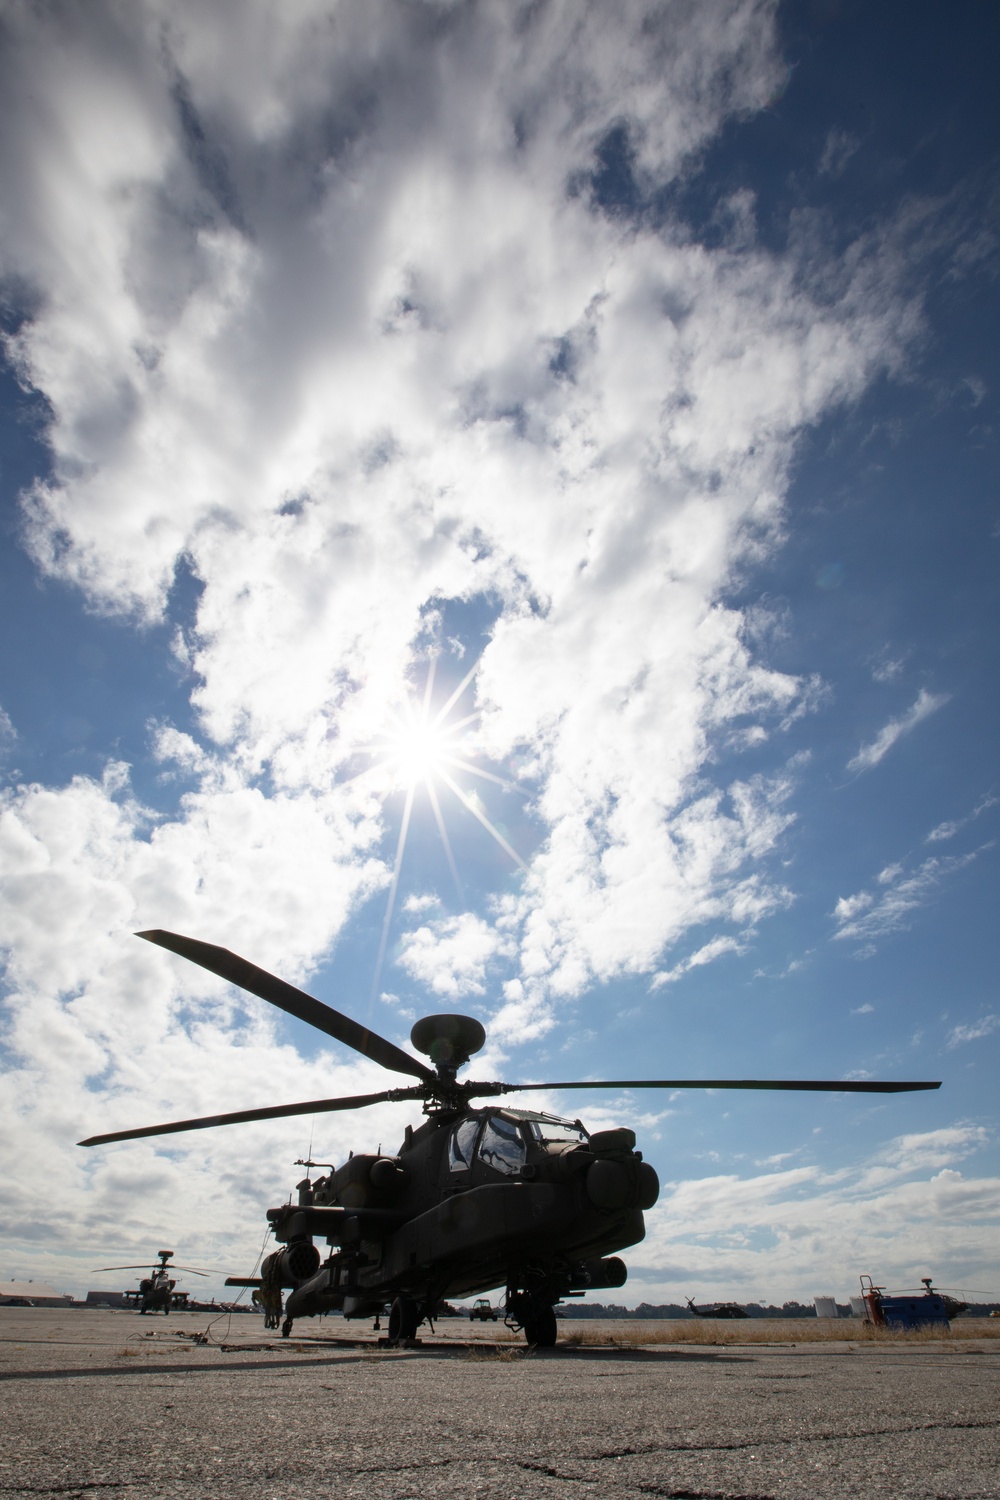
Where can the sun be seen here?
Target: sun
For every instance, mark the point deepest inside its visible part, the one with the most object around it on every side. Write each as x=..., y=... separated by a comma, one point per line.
x=417, y=749
x=420, y=751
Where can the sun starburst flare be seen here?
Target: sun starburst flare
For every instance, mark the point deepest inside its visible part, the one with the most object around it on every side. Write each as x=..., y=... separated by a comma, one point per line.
x=420, y=750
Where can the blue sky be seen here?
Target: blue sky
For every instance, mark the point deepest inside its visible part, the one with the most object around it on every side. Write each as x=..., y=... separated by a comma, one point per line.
x=637, y=364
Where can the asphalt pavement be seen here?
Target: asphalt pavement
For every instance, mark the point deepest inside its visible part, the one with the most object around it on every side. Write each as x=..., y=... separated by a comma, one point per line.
x=108, y=1403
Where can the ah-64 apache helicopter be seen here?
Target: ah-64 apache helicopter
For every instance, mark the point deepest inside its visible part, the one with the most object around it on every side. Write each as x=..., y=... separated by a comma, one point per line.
x=474, y=1199
x=156, y=1291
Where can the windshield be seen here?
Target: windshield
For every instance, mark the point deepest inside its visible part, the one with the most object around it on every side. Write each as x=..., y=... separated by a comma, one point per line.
x=558, y=1132
x=463, y=1139
x=502, y=1146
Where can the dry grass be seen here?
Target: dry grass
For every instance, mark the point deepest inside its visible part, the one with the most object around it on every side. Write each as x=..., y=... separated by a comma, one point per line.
x=496, y=1335
x=126, y=1352
x=625, y=1335
x=504, y=1354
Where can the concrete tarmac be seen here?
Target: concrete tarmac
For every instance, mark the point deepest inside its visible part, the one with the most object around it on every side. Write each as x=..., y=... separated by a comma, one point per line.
x=97, y=1403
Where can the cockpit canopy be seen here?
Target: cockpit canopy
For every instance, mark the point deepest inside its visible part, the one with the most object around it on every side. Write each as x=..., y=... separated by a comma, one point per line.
x=501, y=1139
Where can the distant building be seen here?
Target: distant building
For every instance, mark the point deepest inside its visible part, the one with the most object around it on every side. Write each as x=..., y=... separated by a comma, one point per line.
x=105, y=1298
x=38, y=1293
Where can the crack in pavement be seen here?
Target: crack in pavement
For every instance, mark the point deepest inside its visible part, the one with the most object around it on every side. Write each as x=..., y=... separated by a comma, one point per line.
x=430, y=1463
x=659, y=1490
x=799, y=1437
x=655, y=1489
x=647, y=1489
x=77, y=1488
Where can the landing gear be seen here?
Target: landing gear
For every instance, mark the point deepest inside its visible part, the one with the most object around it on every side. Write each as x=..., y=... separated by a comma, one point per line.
x=286, y=1328
x=404, y=1320
x=540, y=1328
x=531, y=1305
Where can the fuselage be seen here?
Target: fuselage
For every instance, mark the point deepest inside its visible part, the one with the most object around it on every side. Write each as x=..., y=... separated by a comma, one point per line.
x=472, y=1200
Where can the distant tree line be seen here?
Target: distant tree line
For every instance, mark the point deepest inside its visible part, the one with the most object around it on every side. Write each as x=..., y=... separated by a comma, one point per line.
x=677, y=1310
x=754, y=1310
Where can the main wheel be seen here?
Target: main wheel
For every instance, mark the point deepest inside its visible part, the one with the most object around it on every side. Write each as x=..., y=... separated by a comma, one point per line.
x=404, y=1320
x=540, y=1328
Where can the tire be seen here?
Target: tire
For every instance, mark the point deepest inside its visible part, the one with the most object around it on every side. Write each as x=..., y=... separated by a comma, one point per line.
x=404, y=1320
x=540, y=1329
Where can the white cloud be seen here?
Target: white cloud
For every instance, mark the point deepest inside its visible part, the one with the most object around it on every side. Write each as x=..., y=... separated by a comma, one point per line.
x=103, y=1031
x=352, y=361
x=848, y=907
x=948, y=829
x=451, y=956
x=868, y=916
x=870, y=755
x=791, y=1232
x=427, y=902
x=703, y=955
x=323, y=310
x=839, y=147
x=887, y=668
x=974, y=1031
x=929, y=1150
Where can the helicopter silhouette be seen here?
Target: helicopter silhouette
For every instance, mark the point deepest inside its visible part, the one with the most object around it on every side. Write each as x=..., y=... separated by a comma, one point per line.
x=717, y=1310
x=156, y=1291
x=475, y=1198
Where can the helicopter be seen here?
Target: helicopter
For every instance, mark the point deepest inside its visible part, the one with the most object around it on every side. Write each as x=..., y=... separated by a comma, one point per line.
x=717, y=1310
x=912, y=1308
x=156, y=1291
x=476, y=1198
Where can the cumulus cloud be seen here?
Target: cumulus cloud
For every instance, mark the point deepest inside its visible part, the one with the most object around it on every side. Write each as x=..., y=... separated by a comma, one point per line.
x=451, y=956
x=797, y=1230
x=103, y=1031
x=327, y=311
x=870, y=755
x=349, y=359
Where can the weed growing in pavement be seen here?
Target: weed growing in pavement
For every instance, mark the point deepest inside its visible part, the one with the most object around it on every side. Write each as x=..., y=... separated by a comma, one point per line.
x=496, y=1355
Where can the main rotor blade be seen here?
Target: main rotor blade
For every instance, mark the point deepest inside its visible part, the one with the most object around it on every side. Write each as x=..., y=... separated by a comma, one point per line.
x=243, y=1116
x=841, y=1086
x=247, y=976
x=146, y=1267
